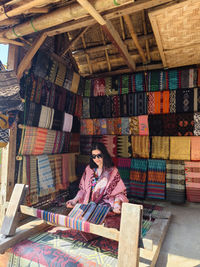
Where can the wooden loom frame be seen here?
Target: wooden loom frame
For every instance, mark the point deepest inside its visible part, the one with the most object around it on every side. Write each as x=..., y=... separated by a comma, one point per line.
x=129, y=254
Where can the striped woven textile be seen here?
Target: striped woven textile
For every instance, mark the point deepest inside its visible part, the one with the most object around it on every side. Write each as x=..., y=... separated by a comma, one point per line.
x=45, y=178
x=124, y=105
x=160, y=147
x=75, y=82
x=197, y=124
x=74, y=145
x=156, y=179
x=79, y=106
x=138, y=175
x=68, y=169
x=108, y=87
x=40, y=141
x=125, y=126
x=179, y=148
x=123, y=165
x=103, y=126
x=192, y=180
x=58, y=172
x=67, y=123
x=58, y=120
x=66, y=144
x=53, y=70
x=99, y=87
x=58, y=142
x=140, y=146
x=60, y=77
x=49, y=145
x=188, y=78
x=158, y=102
x=154, y=80
x=32, y=114
x=86, y=108
x=195, y=147
x=111, y=144
x=88, y=87
x=143, y=125
x=124, y=146
x=172, y=101
x=45, y=117
x=172, y=79
x=138, y=82
x=87, y=126
x=175, y=181
x=28, y=142
x=134, y=125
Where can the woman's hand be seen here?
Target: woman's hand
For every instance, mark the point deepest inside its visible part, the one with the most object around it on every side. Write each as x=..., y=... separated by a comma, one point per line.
x=71, y=203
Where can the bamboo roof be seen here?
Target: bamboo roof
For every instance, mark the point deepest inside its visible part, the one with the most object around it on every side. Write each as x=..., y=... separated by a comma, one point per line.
x=105, y=37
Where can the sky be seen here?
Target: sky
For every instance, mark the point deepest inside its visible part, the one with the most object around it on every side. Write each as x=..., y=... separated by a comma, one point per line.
x=4, y=53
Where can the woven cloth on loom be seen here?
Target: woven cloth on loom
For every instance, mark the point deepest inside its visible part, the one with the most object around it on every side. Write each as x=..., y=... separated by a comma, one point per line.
x=138, y=175
x=111, y=144
x=87, y=127
x=140, y=146
x=124, y=105
x=46, y=184
x=75, y=83
x=160, y=147
x=179, y=148
x=158, y=102
x=143, y=125
x=86, y=108
x=170, y=125
x=156, y=179
x=175, y=181
x=123, y=165
x=185, y=124
x=125, y=126
x=67, y=123
x=134, y=125
x=115, y=106
x=74, y=145
x=197, y=124
x=79, y=106
x=195, y=147
x=173, y=79
x=156, y=126
x=99, y=87
x=124, y=146
x=185, y=100
x=4, y=130
x=85, y=144
x=68, y=248
x=45, y=117
x=192, y=180
x=172, y=102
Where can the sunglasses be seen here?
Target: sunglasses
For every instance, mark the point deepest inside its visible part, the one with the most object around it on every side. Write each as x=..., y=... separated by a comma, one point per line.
x=99, y=156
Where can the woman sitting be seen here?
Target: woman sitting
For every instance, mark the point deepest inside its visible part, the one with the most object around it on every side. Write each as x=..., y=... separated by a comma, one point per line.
x=101, y=181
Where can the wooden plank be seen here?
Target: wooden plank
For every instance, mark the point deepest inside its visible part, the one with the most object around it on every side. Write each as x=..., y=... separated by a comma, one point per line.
x=8, y=41
x=22, y=232
x=128, y=252
x=106, y=50
x=114, y=37
x=134, y=37
x=87, y=56
x=12, y=57
x=10, y=221
x=157, y=233
x=145, y=33
x=30, y=54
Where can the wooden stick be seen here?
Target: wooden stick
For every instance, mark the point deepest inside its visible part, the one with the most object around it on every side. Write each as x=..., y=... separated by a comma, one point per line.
x=8, y=41
x=30, y=54
x=36, y=10
x=9, y=22
x=106, y=51
x=134, y=37
x=87, y=57
x=145, y=33
x=20, y=9
x=74, y=41
x=122, y=28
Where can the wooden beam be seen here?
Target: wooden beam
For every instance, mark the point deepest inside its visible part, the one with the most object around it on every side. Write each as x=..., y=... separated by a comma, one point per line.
x=9, y=22
x=99, y=48
x=122, y=28
x=8, y=41
x=22, y=8
x=36, y=10
x=106, y=50
x=134, y=37
x=30, y=54
x=79, y=35
x=87, y=56
x=110, y=31
x=128, y=252
x=145, y=33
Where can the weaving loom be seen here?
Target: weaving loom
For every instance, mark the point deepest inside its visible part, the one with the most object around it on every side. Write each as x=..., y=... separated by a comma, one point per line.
x=83, y=218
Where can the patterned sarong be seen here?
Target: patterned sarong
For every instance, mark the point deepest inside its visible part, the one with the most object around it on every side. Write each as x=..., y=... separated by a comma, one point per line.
x=160, y=147
x=192, y=180
x=179, y=148
x=140, y=146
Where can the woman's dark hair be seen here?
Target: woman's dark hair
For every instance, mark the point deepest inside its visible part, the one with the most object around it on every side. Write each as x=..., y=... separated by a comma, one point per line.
x=107, y=160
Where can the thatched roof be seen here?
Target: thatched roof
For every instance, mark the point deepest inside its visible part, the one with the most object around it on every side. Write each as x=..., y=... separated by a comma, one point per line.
x=107, y=37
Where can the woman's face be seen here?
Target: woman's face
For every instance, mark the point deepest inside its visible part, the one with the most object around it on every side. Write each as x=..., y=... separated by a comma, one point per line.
x=97, y=157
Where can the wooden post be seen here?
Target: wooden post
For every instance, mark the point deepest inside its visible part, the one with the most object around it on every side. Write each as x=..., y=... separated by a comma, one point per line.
x=128, y=252
x=10, y=221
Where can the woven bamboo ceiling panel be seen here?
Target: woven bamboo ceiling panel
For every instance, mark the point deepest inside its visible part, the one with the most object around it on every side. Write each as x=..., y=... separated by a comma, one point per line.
x=177, y=32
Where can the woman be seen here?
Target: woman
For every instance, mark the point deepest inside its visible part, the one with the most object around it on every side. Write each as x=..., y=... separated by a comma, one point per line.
x=101, y=181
